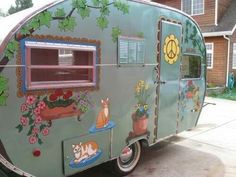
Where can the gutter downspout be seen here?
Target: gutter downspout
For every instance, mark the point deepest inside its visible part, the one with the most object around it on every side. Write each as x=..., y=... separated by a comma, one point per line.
x=227, y=64
x=216, y=12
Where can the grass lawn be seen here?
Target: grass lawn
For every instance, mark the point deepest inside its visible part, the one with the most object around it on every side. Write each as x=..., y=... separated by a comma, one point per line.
x=230, y=95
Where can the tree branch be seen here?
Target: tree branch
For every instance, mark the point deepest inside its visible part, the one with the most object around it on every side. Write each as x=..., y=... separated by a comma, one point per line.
x=99, y=7
x=71, y=12
x=3, y=62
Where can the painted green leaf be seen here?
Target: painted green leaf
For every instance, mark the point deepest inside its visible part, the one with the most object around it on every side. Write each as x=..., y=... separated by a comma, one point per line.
x=45, y=18
x=30, y=130
x=140, y=34
x=40, y=141
x=34, y=24
x=19, y=127
x=42, y=127
x=104, y=11
x=84, y=12
x=68, y=24
x=25, y=30
x=31, y=121
x=102, y=22
x=3, y=99
x=11, y=48
x=121, y=6
x=96, y=2
x=28, y=114
x=3, y=83
x=58, y=103
x=79, y=4
x=60, y=13
x=116, y=31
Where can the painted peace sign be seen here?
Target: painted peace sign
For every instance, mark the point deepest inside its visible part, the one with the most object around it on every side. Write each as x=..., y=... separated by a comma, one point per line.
x=171, y=49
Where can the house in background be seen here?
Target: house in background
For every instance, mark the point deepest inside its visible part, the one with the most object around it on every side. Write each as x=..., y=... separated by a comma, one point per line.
x=217, y=20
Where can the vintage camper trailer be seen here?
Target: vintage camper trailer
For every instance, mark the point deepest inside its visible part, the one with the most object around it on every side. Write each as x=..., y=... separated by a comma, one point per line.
x=86, y=82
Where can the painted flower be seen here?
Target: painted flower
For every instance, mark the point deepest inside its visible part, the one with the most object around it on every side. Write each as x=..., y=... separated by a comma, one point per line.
x=45, y=131
x=53, y=97
x=59, y=92
x=145, y=107
x=33, y=139
x=24, y=107
x=37, y=111
x=35, y=130
x=138, y=89
x=41, y=105
x=30, y=100
x=189, y=95
x=38, y=120
x=190, y=83
x=24, y=121
x=67, y=95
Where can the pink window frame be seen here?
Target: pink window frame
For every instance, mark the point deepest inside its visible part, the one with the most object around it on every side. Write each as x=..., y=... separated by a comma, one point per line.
x=59, y=84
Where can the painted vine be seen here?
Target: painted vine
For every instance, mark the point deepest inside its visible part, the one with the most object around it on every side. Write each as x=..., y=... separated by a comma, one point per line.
x=191, y=34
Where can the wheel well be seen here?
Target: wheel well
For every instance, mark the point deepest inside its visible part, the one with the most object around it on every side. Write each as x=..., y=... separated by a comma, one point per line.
x=144, y=142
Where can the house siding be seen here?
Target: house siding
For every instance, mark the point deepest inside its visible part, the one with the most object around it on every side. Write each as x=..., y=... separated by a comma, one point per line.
x=172, y=3
x=206, y=19
x=217, y=75
x=222, y=7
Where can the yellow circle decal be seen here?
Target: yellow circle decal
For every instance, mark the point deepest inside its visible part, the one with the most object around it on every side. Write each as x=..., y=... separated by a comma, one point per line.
x=171, y=49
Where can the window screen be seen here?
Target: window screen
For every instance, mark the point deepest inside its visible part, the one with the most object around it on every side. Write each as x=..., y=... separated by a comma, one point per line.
x=193, y=7
x=191, y=66
x=131, y=50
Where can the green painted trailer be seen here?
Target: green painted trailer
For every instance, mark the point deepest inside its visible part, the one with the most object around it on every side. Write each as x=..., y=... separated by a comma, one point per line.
x=86, y=82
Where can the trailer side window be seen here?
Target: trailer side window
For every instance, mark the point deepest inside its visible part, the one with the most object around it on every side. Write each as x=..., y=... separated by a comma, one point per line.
x=58, y=65
x=191, y=66
x=130, y=50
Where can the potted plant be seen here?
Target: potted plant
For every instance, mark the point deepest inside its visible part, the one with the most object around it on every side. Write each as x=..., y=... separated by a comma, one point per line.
x=141, y=113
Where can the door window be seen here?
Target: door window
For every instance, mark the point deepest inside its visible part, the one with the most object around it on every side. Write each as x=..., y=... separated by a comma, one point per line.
x=191, y=67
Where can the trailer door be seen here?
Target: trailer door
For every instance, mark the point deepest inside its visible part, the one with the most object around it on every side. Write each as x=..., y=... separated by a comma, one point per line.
x=168, y=79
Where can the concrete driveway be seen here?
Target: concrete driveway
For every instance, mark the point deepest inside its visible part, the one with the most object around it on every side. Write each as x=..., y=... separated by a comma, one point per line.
x=209, y=150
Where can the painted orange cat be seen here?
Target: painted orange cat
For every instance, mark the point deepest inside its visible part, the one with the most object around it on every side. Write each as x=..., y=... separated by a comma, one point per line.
x=104, y=115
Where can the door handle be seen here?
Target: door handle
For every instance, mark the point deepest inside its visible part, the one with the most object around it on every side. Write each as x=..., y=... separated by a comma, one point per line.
x=161, y=82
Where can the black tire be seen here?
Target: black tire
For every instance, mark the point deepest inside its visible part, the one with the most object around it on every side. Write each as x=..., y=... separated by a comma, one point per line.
x=125, y=164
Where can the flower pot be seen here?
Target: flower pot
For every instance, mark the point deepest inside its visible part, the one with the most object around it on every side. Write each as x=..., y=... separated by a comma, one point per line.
x=140, y=125
x=59, y=112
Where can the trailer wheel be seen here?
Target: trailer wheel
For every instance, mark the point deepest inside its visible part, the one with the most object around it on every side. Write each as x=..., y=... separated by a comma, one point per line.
x=128, y=159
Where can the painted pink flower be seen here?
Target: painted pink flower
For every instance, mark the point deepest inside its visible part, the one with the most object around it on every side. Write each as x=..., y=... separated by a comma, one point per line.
x=45, y=131
x=190, y=83
x=24, y=107
x=38, y=120
x=33, y=139
x=41, y=105
x=30, y=100
x=24, y=121
x=37, y=111
x=35, y=130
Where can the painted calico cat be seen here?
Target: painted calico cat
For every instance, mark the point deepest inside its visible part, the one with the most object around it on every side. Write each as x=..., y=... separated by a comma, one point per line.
x=84, y=151
x=104, y=115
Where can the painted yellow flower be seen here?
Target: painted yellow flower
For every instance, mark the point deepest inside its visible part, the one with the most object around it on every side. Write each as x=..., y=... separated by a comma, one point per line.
x=141, y=83
x=137, y=89
x=171, y=49
x=145, y=107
